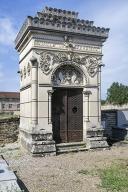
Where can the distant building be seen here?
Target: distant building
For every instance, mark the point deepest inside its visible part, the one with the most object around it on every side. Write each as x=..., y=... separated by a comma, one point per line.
x=9, y=101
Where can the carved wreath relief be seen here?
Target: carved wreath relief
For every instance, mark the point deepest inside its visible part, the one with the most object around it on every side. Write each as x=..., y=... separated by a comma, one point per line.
x=67, y=75
x=48, y=59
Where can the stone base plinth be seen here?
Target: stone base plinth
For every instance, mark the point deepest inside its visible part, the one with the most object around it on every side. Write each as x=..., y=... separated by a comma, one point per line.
x=38, y=144
x=96, y=143
x=95, y=139
x=95, y=132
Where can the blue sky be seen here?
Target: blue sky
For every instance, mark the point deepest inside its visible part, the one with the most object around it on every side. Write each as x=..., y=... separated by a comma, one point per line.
x=106, y=13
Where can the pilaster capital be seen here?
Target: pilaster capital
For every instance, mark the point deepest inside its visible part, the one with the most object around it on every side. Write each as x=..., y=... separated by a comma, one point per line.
x=87, y=93
x=34, y=61
x=50, y=92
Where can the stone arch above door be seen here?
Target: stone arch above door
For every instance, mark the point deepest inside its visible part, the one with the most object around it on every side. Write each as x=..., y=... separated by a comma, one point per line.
x=67, y=75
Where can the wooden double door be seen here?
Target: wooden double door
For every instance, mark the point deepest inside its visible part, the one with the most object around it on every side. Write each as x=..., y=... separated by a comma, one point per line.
x=67, y=115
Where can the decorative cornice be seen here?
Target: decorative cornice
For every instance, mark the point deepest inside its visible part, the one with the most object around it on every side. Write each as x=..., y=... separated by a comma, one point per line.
x=60, y=20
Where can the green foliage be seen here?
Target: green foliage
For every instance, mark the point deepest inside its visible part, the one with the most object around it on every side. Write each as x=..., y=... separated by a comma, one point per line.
x=115, y=178
x=103, y=102
x=117, y=94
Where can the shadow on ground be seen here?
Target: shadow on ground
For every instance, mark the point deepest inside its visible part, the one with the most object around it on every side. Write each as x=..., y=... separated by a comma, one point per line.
x=21, y=184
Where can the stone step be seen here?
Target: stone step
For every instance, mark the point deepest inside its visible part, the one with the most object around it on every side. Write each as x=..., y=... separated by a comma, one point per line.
x=70, y=147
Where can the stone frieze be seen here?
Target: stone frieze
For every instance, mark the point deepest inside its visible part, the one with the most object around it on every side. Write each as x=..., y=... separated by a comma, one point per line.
x=47, y=59
x=76, y=47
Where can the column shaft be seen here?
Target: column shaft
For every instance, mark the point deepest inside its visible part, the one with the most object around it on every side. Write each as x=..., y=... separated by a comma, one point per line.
x=34, y=88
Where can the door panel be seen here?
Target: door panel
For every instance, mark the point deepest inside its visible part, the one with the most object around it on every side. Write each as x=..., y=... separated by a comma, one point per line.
x=75, y=115
x=67, y=115
x=59, y=118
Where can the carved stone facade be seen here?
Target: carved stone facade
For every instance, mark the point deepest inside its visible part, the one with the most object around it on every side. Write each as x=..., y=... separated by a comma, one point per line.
x=67, y=76
x=48, y=59
x=59, y=53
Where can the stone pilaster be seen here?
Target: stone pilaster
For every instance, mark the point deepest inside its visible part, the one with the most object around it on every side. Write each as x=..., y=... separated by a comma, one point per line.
x=86, y=95
x=50, y=106
x=34, y=94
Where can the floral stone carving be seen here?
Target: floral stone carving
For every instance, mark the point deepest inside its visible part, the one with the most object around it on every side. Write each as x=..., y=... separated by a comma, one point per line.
x=67, y=75
x=48, y=59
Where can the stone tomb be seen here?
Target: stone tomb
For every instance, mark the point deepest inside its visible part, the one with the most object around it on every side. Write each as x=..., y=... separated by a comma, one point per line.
x=60, y=59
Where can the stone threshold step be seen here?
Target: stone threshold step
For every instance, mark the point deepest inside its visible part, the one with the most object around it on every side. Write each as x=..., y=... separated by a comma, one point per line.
x=70, y=144
x=60, y=151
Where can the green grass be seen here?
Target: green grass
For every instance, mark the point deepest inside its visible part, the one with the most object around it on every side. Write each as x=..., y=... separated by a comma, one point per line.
x=115, y=178
x=7, y=116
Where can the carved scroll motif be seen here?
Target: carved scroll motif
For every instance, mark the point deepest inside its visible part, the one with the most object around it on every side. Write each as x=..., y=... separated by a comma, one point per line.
x=48, y=59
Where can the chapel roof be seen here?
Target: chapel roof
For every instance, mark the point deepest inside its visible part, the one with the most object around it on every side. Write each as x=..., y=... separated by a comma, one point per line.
x=61, y=20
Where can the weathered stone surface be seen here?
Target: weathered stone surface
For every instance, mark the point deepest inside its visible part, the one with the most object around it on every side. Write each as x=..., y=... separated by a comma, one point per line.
x=97, y=142
x=95, y=132
x=43, y=148
x=42, y=137
x=39, y=144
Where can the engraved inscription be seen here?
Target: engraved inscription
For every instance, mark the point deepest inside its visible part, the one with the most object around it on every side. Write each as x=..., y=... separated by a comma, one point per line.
x=86, y=48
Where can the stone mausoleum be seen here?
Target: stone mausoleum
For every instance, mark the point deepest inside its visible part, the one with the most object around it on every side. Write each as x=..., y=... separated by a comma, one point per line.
x=60, y=60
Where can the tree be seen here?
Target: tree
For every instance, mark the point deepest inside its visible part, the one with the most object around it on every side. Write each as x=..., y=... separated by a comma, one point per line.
x=117, y=94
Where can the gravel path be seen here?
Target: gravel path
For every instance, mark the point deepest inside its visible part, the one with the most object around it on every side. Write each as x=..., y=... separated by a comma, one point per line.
x=72, y=172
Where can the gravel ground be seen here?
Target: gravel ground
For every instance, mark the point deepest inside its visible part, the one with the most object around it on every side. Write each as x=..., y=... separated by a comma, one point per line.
x=74, y=172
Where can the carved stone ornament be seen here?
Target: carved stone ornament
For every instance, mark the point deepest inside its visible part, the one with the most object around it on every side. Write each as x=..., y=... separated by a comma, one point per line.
x=67, y=75
x=28, y=69
x=92, y=65
x=68, y=43
x=24, y=72
x=48, y=59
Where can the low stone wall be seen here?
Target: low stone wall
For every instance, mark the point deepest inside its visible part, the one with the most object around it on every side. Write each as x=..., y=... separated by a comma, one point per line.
x=114, y=107
x=9, y=130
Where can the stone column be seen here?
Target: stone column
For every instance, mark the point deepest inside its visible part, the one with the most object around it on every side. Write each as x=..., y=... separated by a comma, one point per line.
x=34, y=88
x=50, y=106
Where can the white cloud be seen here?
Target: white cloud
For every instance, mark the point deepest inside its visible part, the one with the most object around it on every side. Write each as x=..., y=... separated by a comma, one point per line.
x=7, y=31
